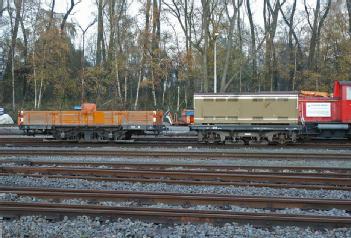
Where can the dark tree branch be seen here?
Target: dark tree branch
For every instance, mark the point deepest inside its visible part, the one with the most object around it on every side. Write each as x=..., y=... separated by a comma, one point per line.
x=64, y=20
x=291, y=27
x=51, y=16
x=2, y=8
x=321, y=22
x=308, y=15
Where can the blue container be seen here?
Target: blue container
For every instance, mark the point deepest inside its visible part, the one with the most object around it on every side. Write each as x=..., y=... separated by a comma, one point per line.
x=77, y=107
x=189, y=112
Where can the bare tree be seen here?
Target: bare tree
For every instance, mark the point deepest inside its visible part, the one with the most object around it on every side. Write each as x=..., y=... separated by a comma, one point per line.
x=291, y=49
x=82, y=60
x=229, y=41
x=318, y=21
x=100, y=48
x=112, y=59
x=25, y=48
x=145, y=48
x=51, y=17
x=155, y=46
x=14, y=31
x=183, y=11
x=270, y=17
x=112, y=22
x=240, y=39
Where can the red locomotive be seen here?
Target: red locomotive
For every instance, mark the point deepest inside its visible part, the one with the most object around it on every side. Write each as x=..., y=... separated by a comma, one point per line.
x=327, y=116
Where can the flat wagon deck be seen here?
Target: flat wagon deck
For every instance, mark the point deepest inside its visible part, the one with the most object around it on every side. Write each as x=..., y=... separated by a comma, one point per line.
x=89, y=124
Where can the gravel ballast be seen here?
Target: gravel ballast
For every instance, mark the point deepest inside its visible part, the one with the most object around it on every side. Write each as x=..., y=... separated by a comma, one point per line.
x=86, y=227
x=213, y=161
x=23, y=181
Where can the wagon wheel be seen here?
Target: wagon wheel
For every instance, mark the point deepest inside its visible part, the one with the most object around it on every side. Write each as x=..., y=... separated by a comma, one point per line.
x=246, y=141
x=282, y=139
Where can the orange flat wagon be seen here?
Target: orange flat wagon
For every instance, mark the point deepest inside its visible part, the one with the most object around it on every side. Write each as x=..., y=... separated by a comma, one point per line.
x=89, y=124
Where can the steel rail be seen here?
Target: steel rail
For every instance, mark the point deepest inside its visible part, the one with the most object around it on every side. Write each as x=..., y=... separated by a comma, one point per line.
x=164, y=141
x=308, y=182
x=191, y=182
x=180, y=198
x=174, y=174
x=43, y=141
x=169, y=215
x=113, y=152
x=198, y=168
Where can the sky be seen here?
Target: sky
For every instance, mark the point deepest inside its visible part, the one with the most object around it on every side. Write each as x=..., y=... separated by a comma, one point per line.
x=85, y=11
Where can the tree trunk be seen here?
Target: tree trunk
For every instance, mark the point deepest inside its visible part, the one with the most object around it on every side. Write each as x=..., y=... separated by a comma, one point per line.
x=228, y=47
x=270, y=24
x=291, y=51
x=205, y=34
x=14, y=31
x=25, y=56
x=144, y=63
x=112, y=21
x=35, y=78
x=155, y=48
x=138, y=88
x=42, y=78
x=40, y=91
x=318, y=23
x=65, y=17
x=164, y=91
x=118, y=81
x=125, y=88
x=313, y=41
x=185, y=21
x=348, y=4
x=253, y=45
x=1, y=7
x=100, y=34
x=51, y=17
x=153, y=90
x=240, y=47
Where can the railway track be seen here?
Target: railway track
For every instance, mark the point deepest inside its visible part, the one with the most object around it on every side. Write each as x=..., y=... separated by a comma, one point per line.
x=194, y=174
x=172, y=142
x=189, y=177
x=176, y=173
x=182, y=199
x=171, y=215
x=194, y=168
x=166, y=154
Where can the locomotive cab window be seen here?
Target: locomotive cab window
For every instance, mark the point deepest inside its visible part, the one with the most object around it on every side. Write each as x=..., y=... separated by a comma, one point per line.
x=348, y=93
